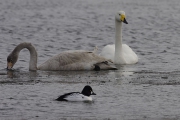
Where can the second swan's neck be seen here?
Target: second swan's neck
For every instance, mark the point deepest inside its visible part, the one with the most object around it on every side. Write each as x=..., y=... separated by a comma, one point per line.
x=118, y=43
x=33, y=54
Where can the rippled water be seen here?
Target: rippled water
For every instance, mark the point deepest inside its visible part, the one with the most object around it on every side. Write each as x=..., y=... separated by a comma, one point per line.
x=146, y=90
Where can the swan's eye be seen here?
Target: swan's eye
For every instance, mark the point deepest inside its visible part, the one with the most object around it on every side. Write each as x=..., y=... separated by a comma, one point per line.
x=9, y=60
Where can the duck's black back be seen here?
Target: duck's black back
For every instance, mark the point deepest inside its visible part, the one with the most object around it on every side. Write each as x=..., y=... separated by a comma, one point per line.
x=63, y=97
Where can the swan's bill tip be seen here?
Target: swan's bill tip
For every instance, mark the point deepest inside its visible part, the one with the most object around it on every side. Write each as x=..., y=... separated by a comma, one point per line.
x=9, y=65
x=124, y=21
x=10, y=69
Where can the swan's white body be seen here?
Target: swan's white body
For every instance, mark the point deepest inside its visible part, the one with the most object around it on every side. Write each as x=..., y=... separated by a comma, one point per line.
x=69, y=60
x=128, y=56
x=119, y=53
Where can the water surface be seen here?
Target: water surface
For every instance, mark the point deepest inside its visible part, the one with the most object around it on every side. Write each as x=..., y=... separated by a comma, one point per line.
x=146, y=90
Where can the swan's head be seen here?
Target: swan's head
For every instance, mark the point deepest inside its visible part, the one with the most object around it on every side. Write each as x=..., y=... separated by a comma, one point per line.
x=11, y=60
x=121, y=17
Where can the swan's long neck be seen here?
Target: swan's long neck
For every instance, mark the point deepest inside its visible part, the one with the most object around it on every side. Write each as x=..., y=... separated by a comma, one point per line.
x=118, y=43
x=33, y=54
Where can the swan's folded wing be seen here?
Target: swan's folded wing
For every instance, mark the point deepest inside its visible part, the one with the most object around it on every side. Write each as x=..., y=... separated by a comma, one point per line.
x=72, y=60
x=129, y=55
x=108, y=52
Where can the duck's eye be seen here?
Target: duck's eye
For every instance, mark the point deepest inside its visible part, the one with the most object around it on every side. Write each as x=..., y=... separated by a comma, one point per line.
x=119, y=14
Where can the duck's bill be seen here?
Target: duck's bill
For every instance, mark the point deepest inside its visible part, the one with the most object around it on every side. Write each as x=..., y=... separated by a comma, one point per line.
x=125, y=21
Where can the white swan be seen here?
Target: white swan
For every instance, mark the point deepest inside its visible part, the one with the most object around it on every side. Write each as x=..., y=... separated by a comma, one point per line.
x=69, y=60
x=119, y=53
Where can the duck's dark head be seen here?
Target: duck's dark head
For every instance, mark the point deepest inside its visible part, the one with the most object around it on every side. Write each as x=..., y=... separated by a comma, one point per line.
x=87, y=90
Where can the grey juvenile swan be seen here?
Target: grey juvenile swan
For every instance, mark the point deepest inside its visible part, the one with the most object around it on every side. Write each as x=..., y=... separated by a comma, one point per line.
x=68, y=60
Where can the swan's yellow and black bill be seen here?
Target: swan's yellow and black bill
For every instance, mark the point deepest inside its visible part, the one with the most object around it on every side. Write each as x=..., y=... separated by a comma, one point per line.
x=9, y=65
x=123, y=19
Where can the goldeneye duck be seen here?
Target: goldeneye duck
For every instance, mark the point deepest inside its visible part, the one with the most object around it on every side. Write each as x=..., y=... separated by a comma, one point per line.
x=77, y=96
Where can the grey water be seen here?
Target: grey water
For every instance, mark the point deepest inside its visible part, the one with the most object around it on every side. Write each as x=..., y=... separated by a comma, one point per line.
x=149, y=89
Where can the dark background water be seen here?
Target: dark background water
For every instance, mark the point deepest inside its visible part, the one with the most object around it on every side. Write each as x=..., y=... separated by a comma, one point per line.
x=146, y=90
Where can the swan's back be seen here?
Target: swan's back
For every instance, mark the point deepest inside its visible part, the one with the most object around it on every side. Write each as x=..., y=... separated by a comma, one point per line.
x=75, y=60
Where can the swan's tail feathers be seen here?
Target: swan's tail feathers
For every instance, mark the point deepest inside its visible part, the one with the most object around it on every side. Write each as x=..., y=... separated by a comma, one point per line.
x=104, y=66
x=95, y=49
x=111, y=62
